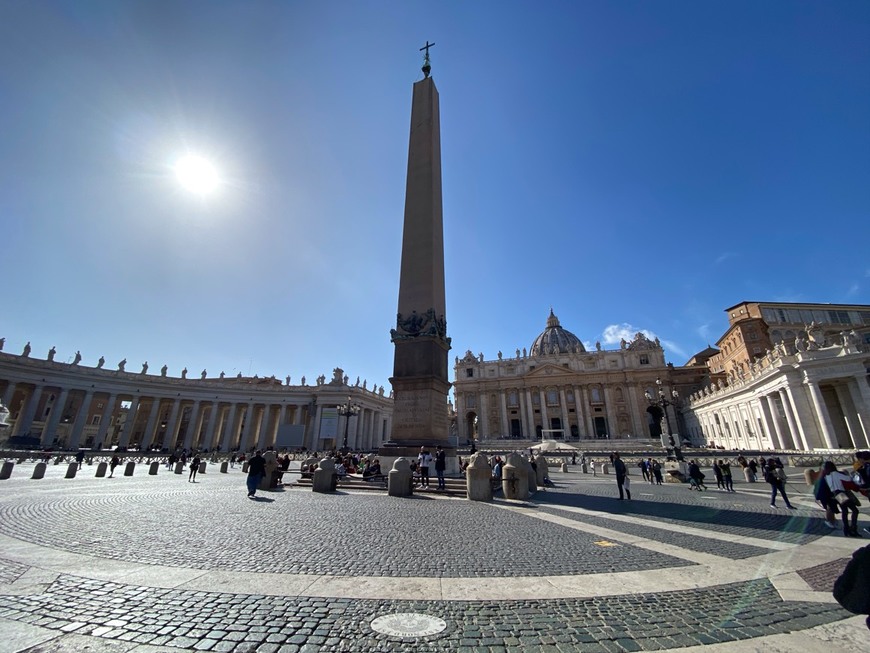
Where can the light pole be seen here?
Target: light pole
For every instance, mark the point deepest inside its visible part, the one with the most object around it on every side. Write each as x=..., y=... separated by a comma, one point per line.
x=347, y=409
x=663, y=402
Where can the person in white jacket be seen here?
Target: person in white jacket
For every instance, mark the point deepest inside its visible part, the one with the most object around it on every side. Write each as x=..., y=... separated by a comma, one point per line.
x=839, y=482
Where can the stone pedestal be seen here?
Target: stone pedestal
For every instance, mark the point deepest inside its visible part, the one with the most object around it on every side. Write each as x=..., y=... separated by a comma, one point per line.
x=324, y=479
x=179, y=468
x=515, y=477
x=390, y=452
x=748, y=475
x=152, y=468
x=542, y=470
x=584, y=468
x=308, y=467
x=605, y=468
x=478, y=479
x=101, y=469
x=202, y=467
x=6, y=471
x=564, y=468
x=39, y=470
x=533, y=476
x=71, y=470
x=128, y=469
x=224, y=467
x=400, y=480
x=676, y=471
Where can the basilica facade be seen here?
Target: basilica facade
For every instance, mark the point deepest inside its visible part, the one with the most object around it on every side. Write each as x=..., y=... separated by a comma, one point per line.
x=69, y=405
x=556, y=389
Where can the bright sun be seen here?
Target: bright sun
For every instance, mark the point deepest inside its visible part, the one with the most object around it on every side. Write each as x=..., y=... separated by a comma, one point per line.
x=196, y=174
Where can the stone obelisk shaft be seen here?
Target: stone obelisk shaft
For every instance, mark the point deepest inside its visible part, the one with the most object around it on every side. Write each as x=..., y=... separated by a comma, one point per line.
x=419, y=379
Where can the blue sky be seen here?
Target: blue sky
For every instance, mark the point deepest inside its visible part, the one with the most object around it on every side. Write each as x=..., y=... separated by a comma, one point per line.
x=634, y=165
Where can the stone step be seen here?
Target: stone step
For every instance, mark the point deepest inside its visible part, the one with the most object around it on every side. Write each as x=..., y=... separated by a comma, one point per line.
x=455, y=486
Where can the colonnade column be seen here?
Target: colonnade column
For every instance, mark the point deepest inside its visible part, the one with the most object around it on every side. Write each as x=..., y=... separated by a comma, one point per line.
x=214, y=415
x=8, y=394
x=171, y=426
x=315, y=430
x=192, y=423
x=105, y=420
x=822, y=411
x=245, y=441
x=30, y=410
x=545, y=417
x=636, y=423
x=81, y=417
x=850, y=416
x=860, y=394
x=129, y=422
x=229, y=426
x=505, y=429
x=793, y=426
x=566, y=423
x=483, y=421
x=151, y=424
x=48, y=431
x=772, y=426
x=262, y=437
x=612, y=424
x=587, y=411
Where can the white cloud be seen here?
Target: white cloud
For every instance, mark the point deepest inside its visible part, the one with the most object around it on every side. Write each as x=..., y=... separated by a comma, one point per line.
x=853, y=290
x=704, y=331
x=725, y=256
x=616, y=333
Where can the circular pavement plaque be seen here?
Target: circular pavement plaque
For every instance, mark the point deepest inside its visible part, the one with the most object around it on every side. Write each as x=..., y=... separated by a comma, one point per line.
x=408, y=625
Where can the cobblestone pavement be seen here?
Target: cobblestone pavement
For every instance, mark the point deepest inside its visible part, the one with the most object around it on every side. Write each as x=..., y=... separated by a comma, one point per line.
x=133, y=564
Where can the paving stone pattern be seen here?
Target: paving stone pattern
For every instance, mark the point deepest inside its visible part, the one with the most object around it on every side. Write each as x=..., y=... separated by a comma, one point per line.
x=10, y=571
x=209, y=621
x=288, y=532
x=753, y=519
x=822, y=577
x=732, y=550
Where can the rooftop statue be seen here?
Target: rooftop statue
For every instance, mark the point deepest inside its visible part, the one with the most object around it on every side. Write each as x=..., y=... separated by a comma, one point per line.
x=51, y=353
x=145, y=367
x=26, y=351
x=2, y=343
x=164, y=370
x=184, y=373
x=78, y=358
x=202, y=375
x=101, y=362
x=122, y=365
x=303, y=380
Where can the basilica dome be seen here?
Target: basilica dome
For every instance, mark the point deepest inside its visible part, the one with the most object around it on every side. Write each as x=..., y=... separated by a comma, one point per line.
x=556, y=340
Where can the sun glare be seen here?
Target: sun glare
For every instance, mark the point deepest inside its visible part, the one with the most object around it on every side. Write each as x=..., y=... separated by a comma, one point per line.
x=196, y=174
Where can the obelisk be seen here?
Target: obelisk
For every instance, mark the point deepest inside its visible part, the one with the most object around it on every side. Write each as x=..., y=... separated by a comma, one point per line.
x=419, y=378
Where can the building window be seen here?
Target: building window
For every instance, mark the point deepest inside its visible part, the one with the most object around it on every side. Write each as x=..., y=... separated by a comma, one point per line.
x=644, y=359
x=596, y=395
x=469, y=372
x=570, y=396
x=95, y=420
x=552, y=398
x=536, y=399
x=512, y=399
x=471, y=401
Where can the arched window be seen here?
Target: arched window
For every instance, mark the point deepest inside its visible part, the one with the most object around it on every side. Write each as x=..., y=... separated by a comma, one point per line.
x=596, y=394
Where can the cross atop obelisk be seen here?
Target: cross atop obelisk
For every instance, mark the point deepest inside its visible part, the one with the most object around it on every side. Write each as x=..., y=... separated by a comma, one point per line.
x=427, y=67
x=419, y=378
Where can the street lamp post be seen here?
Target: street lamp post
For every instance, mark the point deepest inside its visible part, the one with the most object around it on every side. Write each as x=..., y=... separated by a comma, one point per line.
x=347, y=409
x=663, y=402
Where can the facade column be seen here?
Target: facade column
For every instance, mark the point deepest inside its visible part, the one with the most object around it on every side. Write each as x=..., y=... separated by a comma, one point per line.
x=297, y=414
x=129, y=422
x=262, y=437
x=192, y=423
x=609, y=408
x=50, y=429
x=545, y=417
x=861, y=402
x=505, y=427
x=229, y=426
x=824, y=418
x=636, y=423
x=788, y=439
x=315, y=431
x=29, y=412
x=483, y=420
x=105, y=420
x=171, y=426
x=580, y=412
x=214, y=415
x=793, y=425
x=587, y=411
x=81, y=418
x=151, y=424
x=566, y=422
x=853, y=426
x=529, y=415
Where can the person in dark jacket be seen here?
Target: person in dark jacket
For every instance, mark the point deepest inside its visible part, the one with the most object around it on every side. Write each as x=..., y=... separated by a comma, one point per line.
x=621, y=474
x=440, y=467
x=256, y=471
x=852, y=588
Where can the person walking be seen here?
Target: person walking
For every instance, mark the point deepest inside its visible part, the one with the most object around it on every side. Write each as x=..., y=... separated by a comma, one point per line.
x=773, y=476
x=112, y=464
x=194, y=468
x=621, y=476
x=841, y=486
x=720, y=480
x=256, y=470
x=726, y=476
x=424, y=460
x=657, y=471
x=440, y=467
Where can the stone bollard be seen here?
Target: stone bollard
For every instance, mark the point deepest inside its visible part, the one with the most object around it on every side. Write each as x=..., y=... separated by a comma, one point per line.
x=202, y=467
x=71, y=470
x=515, y=477
x=533, y=476
x=542, y=470
x=584, y=468
x=308, y=467
x=605, y=468
x=101, y=469
x=748, y=475
x=128, y=470
x=39, y=470
x=810, y=476
x=400, y=479
x=58, y=460
x=478, y=478
x=6, y=472
x=179, y=468
x=224, y=467
x=564, y=467
x=325, y=479
x=245, y=467
x=152, y=469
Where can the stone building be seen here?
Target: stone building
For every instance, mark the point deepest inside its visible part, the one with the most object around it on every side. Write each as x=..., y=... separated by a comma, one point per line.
x=788, y=377
x=72, y=405
x=556, y=389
